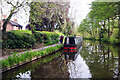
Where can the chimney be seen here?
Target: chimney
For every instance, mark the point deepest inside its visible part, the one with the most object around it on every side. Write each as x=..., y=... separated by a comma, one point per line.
x=15, y=20
x=4, y=16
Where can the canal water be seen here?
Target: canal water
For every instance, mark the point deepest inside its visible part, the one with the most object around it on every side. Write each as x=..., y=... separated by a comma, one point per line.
x=93, y=60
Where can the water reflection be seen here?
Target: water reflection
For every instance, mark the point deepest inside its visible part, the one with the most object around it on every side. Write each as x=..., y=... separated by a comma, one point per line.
x=93, y=60
x=24, y=75
x=76, y=65
x=103, y=59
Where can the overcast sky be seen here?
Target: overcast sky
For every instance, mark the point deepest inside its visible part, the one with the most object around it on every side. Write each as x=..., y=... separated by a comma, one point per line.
x=79, y=9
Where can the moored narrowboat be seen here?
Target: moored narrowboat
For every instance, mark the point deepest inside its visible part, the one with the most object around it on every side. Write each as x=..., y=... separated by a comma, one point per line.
x=72, y=44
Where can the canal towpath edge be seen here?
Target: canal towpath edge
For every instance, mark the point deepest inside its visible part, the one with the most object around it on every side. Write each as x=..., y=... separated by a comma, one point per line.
x=39, y=49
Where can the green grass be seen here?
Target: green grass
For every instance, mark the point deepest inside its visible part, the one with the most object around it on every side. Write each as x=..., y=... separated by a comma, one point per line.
x=18, y=58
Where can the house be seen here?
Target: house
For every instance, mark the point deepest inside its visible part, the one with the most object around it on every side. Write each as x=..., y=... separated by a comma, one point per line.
x=12, y=25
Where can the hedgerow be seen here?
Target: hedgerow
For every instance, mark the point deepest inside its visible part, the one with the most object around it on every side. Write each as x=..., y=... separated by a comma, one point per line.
x=25, y=39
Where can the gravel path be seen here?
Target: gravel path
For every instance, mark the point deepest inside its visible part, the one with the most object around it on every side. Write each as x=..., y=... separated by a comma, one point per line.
x=39, y=49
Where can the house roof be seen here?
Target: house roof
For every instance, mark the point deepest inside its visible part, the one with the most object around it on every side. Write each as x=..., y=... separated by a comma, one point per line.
x=14, y=23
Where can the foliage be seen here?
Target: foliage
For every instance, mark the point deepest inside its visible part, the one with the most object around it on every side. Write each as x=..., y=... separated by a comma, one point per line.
x=48, y=16
x=50, y=37
x=19, y=39
x=17, y=58
x=101, y=23
x=39, y=37
x=113, y=40
x=15, y=7
x=25, y=39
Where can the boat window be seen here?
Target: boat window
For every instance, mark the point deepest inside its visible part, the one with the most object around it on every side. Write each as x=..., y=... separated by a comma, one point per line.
x=71, y=40
x=66, y=40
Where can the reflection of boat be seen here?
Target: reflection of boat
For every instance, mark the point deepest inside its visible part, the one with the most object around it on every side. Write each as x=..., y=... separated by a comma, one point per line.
x=72, y=44
x=71, y=56
x=76, y=65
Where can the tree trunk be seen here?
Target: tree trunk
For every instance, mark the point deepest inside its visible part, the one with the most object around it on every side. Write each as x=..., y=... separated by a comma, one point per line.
x=53, y=26
x=6, y=21
x=32, y=28
x=4, y=35
x=108, y=28
x=119, y=22
x=100, y=36
x=112, y=24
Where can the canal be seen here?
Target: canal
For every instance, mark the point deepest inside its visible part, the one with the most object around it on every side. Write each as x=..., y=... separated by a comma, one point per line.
x=93, y=60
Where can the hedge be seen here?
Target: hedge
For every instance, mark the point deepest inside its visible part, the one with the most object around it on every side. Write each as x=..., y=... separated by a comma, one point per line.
x=19, y=39
x=50, y=37
x=25, y=39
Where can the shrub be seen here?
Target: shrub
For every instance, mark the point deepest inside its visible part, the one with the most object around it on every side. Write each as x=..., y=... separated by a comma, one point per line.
x=39, y=37
x=19, y=39
x=25, y=39
x=47, y=37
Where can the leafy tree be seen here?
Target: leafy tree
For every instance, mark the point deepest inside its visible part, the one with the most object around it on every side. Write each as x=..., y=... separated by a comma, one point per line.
x=16, y=6
x=102, y=19
x=48, y=15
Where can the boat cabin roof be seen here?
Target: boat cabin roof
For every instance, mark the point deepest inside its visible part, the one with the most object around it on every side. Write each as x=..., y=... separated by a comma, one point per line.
x=72, y=40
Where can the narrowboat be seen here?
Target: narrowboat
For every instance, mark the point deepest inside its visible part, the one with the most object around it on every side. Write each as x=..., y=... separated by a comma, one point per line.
x=72, y=44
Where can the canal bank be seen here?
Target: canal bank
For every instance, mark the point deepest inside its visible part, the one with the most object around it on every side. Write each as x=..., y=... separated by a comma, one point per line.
x=19, y=59
x=95, y=60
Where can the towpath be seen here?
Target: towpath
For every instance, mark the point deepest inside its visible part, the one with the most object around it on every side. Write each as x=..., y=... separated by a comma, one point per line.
x=39, y=49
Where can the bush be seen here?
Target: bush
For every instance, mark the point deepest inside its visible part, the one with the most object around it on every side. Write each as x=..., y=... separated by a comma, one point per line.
x=25, y=39
x=18, y=39
x=47, y=37
x=39, y=37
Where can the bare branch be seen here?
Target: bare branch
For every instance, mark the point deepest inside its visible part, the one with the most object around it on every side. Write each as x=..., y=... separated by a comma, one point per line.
x=11, y=3
x=21, y=4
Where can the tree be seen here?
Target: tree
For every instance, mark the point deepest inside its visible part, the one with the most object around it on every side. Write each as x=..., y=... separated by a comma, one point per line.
x=103, y=16
x=16, y=6
x=48, y=15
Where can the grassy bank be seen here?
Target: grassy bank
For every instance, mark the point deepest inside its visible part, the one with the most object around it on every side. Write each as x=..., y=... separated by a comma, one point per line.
x=18, y=58
x=110, y=40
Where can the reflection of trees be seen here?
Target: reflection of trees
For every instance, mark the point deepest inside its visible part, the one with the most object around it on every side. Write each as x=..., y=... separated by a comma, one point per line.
x=53, y=69
x=101, y=59
x=28, y=67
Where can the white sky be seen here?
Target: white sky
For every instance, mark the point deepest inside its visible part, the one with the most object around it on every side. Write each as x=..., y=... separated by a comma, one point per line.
x=79, y=10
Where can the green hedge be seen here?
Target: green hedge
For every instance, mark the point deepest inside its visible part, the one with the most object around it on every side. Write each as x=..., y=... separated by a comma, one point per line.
x=47, y=37
x=25, y=39
x=39, y=37
x=19, y=39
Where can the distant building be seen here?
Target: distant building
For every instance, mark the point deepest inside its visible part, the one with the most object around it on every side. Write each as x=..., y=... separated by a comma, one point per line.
x=12, y=25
